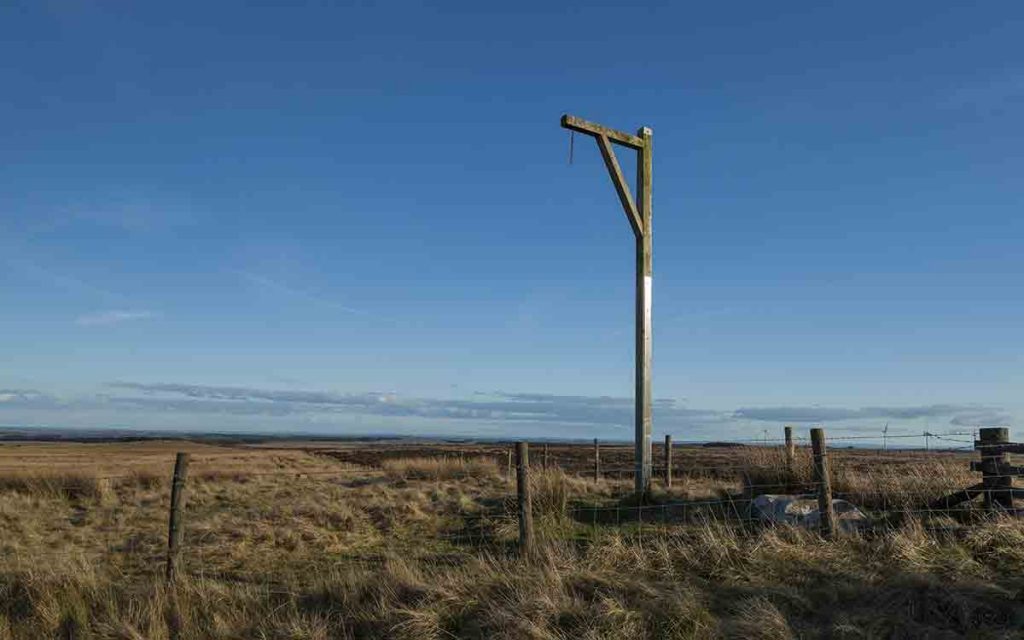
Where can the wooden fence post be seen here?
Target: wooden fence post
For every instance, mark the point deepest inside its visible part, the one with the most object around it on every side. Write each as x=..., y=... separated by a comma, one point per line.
x=545, y=464
x=821, y=476
x=668, y=461
x=597, y=461
x=176, y=528
x=525, y=503
x=997, y=482
x=508, y=474
x=790, y=450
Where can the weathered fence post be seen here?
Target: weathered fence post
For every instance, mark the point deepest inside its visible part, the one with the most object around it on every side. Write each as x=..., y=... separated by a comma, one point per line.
x=176, y=528
x=668, y=461
x=997, y=482
x=523, y=491
x=508, y=474
x=825, y=512
x=790, y=450
x=597, y=461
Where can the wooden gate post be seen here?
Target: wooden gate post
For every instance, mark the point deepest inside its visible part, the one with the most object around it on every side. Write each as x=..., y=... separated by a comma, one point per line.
x=523, y=492
x=821, y=476
x=176, y=528
x=597, y=461
x=668, y=461
x=997, y=482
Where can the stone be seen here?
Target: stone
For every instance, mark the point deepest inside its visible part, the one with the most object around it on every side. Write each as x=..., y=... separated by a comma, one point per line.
x=802, y=511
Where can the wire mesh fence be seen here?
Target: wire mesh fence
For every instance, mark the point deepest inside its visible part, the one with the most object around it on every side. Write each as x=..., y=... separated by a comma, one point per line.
x=355, y=509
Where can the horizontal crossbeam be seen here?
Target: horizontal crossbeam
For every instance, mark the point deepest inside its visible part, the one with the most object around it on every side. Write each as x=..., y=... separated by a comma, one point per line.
x=1006, y=447
x=953, y=499
x=989, y=467
x=597, y=130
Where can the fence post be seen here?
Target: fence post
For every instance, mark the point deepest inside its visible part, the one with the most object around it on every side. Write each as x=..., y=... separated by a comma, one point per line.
x=523, y=491
x=508, y=474
x=790, y=450
x=597, y=461
x=997, y=483
x=825, y=512
x=545, y=464
x=668, y=461
x=176, y=528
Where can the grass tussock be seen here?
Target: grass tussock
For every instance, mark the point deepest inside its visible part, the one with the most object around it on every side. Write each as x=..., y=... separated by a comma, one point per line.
x=758, y=619
x=770, y=585
x=67, y=485
x=896, y=483
x=439, y=468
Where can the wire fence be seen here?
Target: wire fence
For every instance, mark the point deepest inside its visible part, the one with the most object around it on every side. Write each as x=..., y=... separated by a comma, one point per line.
x=359, y=508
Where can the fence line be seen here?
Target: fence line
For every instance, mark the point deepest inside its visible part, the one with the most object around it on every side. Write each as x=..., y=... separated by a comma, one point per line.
x=499, y=523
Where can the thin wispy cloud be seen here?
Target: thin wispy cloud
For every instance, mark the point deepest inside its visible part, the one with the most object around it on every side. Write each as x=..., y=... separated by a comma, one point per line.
x=277, y=287
x=982, y=418
x=48, y=277
x=112, y=317
x=957, y=414
x=19, y=395
x=536, y=408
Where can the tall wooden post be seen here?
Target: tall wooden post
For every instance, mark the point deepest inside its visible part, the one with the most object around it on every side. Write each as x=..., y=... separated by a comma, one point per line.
x=176, y=528
x=638, y=214
x=545, y=465
x=523, y=492
x=826, y=513
x=790, y=449
x=597, y=461
x=668, y=461
x=998, y=484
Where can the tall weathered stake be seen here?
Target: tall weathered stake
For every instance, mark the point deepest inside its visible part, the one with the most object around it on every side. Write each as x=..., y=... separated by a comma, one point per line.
x=525, y=502
x=790, y=450
x=638, y=213
x=597, y=461
x=826, y=513
x=176, y=526
x=668, y=461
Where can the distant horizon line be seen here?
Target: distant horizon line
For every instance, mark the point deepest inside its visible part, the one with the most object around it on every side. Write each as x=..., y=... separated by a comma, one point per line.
x=26, y=433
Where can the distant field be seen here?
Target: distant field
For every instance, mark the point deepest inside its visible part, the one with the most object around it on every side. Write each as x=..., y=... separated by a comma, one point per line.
x=325, y=540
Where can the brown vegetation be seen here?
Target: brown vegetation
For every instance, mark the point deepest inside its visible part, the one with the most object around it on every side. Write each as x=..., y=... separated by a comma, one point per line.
x=291, y=544
x=439, y=468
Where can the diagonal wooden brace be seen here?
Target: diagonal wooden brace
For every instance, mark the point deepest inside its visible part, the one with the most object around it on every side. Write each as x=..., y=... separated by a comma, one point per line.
x=621, y=188
x=953, y=499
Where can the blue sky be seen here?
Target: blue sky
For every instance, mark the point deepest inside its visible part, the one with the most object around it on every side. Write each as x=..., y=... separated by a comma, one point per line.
x=361, y=218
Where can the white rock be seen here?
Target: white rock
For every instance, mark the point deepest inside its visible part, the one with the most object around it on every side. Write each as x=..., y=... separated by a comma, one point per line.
x=802, y=511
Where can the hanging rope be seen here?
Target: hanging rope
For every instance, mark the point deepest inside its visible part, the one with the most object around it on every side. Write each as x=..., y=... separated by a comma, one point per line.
x=572, y=139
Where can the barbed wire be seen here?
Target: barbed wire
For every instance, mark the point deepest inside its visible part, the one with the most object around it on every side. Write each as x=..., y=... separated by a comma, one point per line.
x=497, y=525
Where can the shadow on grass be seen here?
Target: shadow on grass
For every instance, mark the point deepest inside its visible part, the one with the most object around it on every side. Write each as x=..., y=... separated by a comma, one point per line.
x=662, y=509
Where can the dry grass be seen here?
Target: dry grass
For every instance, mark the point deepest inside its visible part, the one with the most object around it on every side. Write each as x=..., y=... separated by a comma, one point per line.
x=284, y=544
x=440, y=468
x=74, y=485
x=894, y=481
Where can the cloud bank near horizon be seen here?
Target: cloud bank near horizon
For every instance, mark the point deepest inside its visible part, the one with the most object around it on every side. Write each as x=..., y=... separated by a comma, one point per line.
x=962, y=415
x=197, y=406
